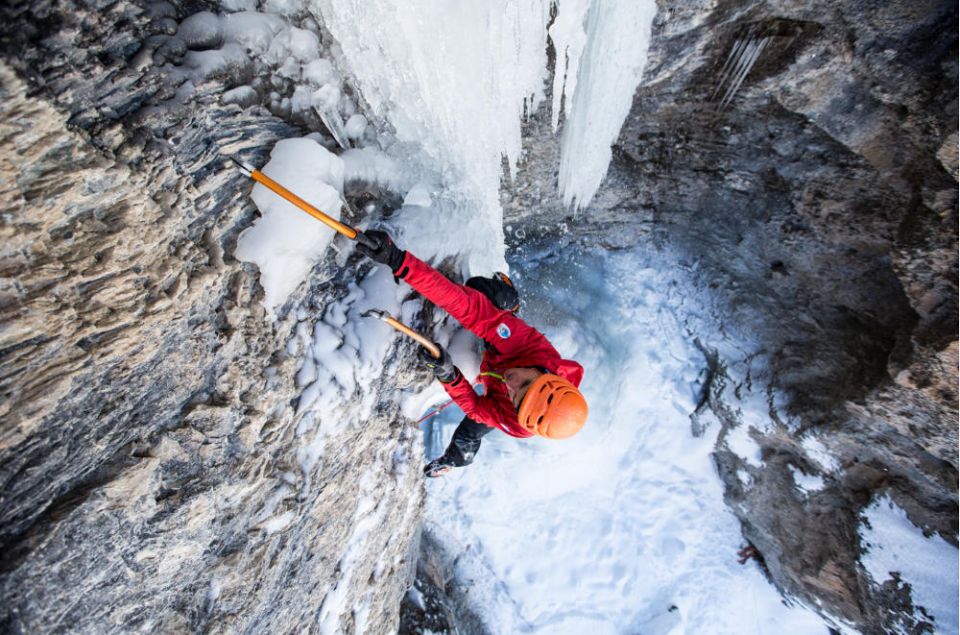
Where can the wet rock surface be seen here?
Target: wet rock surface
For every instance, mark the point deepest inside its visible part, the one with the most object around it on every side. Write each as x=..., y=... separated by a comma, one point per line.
x=815, y=201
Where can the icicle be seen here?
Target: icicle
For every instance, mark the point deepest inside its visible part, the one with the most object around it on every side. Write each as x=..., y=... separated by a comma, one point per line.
x=732, y=60
x=331, y=119
x=751, y=59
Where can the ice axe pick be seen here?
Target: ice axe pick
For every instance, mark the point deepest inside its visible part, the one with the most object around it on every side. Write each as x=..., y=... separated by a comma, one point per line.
x=266, y=181
x=406, y=330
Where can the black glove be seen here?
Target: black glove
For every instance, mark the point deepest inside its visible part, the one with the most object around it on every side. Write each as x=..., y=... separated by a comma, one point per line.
x=443, y=368
x=386, y=253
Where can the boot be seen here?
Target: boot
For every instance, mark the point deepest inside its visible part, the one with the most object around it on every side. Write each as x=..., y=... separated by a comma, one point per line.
x=439, y=466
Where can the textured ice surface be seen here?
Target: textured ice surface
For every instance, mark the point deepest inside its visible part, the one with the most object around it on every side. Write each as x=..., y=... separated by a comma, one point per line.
x=610, y=68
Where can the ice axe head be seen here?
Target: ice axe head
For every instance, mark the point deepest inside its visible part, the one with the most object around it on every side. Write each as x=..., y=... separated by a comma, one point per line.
x=377, y=313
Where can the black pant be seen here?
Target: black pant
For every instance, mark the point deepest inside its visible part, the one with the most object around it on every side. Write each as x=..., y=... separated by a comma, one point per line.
x=465, y=442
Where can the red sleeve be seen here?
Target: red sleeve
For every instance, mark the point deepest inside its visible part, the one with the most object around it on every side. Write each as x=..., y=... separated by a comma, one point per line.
x=486, y=410
x=468, y=306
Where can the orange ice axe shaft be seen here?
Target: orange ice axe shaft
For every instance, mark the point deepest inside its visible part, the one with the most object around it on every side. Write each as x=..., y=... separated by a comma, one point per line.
x=266, y=181
x=406, y=330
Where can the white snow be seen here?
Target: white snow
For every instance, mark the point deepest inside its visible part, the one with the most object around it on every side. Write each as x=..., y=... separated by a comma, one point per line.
x=345, y=355
x=200, y=30
x=355, y=127
x=254, y=31
x=286, y=242
x=806, y=483
x=279, y=522
x=928, y=564
x=367, y=516
x=818, y=452
x=741, y=443
x=623, y=528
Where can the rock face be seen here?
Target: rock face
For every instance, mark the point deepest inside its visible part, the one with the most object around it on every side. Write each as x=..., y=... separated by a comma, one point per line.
x=801, y=157
x=149, y=470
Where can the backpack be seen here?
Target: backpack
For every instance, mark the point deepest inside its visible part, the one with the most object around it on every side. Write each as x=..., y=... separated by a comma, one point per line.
x=499, y=289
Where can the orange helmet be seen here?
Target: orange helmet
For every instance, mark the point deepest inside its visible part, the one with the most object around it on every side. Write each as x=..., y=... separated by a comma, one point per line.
x=553, y=408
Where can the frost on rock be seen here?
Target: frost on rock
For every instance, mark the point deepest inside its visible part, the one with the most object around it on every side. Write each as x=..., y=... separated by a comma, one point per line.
x=261, y=58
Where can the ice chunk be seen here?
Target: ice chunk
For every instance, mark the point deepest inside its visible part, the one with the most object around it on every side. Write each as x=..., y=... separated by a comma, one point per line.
x=253, y=31
x=289, y=8
x=290, y=69
x=418, y=195
x=319, y=72
x=242, y=96
x=238, y=5
x=300, y=44
x=285, y=242
x=325, y=101
x=373, y=166
x=304, y=45
x=326, y=97
x=302, y=99
x=229, y=62
x=355, y=126
x=201, y=31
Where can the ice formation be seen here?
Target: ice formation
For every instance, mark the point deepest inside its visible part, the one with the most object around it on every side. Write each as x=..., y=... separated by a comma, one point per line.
x=610, y=68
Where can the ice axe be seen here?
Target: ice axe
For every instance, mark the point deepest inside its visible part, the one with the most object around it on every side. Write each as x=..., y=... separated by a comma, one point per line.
x=346, y=230
x=403, y=328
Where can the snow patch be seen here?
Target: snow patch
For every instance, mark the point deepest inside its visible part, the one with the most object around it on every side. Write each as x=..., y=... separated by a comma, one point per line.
x=806, y=483
x=286, y=242
x=741, y=442
x=928, y=564
x=817, y=451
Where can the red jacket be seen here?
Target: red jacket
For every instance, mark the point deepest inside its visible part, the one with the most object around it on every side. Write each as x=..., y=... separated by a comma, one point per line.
x=511, y=343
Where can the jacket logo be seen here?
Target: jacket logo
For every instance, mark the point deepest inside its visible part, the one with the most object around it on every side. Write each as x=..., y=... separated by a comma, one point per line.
x=503, y=330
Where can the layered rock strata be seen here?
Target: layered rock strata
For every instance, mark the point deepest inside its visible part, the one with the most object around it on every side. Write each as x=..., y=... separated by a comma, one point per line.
x=150, y=474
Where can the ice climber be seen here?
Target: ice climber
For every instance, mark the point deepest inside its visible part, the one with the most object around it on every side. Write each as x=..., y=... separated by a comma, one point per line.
x=528, y=388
